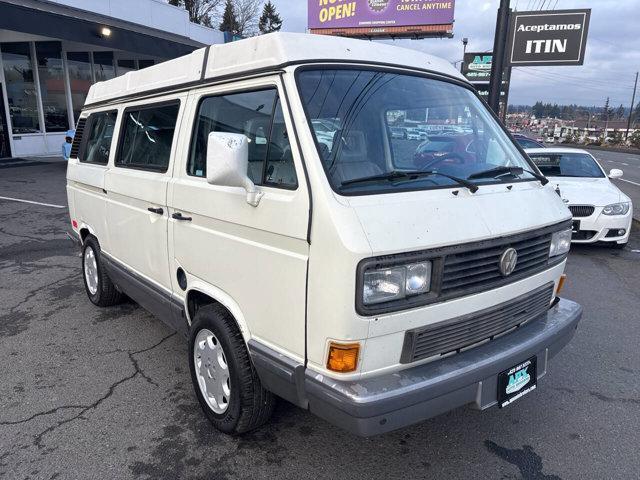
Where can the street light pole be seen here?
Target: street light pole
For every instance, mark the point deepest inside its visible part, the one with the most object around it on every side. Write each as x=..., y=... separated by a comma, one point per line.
x=499, y=51
x=633, y=101
x=465, y=41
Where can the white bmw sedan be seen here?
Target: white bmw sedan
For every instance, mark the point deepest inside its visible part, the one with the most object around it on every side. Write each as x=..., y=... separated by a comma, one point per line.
x=601, y=212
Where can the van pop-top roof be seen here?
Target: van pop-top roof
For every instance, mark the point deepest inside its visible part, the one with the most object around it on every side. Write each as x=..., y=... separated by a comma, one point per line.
x=260, y=54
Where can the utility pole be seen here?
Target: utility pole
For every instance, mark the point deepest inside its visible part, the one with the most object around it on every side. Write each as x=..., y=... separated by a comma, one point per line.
x=633, y=101
x=499, y=52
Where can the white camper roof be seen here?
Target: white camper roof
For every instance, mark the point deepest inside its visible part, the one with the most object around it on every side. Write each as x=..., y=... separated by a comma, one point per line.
x=262, y=53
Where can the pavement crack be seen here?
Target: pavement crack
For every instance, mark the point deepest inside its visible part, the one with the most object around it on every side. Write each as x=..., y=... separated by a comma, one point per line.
x=38, y=439
x=41, y=414
x=605, y=398
x=25, y=237
x=32, y=293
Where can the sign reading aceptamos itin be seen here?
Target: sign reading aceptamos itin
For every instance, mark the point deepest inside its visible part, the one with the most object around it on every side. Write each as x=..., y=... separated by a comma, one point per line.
x=557, y=37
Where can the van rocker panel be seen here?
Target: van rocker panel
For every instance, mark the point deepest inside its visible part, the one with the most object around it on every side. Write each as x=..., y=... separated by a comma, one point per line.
x=381, y=404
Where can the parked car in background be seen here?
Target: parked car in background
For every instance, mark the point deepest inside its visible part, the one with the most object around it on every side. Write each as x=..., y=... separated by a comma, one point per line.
x=527, y=142
x=397, y=132
x=601, y=212
x=415, y=134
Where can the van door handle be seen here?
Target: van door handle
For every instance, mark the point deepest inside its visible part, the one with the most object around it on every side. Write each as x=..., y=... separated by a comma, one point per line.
x=159, y=211
x=178, y=216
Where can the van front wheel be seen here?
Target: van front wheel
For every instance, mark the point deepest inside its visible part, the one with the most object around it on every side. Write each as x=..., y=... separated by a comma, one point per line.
x=225, y=382
x=99, y=287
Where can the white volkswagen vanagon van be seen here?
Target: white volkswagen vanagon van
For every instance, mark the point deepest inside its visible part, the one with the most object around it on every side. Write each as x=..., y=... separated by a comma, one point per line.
x=253, y=196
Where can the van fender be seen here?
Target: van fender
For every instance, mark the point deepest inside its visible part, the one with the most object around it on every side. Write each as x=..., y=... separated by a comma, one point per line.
x=224, y=299
x=85, y=226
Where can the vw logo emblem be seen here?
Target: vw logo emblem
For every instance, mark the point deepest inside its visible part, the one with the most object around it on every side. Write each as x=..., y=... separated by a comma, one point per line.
x=508, y=262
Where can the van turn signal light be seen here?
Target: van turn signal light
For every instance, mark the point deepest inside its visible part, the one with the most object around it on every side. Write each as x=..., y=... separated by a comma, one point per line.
x=561, y=281
x=343, y=357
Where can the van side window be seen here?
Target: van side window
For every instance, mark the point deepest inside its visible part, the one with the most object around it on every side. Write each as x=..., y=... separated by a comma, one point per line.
x=146, y=137
x=97, y=146
x=258, y=115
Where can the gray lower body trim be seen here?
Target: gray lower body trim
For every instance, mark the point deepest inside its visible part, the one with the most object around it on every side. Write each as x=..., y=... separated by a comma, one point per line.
x=153, y=299
x=279, y=374
x=382, y=404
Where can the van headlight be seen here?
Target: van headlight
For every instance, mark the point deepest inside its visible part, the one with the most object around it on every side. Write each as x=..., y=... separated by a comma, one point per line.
x=397, y=282
x=616, y=209
x=560, y=243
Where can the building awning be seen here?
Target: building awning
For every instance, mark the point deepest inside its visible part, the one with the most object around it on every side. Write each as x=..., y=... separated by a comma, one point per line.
x=65, y=23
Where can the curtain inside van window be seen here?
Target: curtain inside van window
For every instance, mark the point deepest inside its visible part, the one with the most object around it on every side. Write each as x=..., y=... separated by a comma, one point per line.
x=147, y=136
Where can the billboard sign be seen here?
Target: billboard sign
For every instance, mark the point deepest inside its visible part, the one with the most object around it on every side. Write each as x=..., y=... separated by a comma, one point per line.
x=375, y=18
x=557, y=37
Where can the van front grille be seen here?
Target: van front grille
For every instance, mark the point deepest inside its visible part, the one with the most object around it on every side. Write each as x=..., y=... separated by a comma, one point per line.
x=463, y=332
x=579, y=211
x=468, y=268
x=479, y=267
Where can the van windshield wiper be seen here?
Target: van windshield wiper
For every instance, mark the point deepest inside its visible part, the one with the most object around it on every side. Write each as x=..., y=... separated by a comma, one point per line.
x=410, y=175
x=502, y=171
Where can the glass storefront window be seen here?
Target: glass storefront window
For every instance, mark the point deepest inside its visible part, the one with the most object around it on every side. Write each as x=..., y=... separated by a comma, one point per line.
x=125, y=66
x=21, y=89
x=80, y=79
x=103, y=66
x=52, y=89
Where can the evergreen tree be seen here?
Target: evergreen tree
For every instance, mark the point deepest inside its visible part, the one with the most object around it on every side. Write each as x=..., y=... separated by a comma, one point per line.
x=270, y=21
x=607, y=111
x=229, y=19
x=621, y=113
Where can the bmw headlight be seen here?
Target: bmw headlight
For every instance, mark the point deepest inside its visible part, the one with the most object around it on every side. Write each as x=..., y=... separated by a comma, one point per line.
x=560, y=243
x=395, y=283
x=616, y=209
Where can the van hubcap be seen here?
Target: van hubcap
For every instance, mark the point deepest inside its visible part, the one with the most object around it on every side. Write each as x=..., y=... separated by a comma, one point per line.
x=212, y=371
x=91, y=270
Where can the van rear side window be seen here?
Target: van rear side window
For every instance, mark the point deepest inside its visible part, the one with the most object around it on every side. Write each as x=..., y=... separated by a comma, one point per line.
x=146, y=137
x=97, y=144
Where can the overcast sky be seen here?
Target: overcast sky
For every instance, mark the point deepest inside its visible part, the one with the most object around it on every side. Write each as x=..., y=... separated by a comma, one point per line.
x=613, y=49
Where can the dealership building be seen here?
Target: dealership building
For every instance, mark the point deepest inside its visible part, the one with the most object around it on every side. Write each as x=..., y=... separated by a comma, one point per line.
x=52, y=51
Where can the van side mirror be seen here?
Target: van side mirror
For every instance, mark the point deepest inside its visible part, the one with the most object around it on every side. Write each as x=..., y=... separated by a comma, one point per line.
x=228, y=161
x=616, y=173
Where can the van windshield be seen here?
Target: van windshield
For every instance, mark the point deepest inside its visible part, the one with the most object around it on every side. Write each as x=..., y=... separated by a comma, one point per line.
x=372, y=126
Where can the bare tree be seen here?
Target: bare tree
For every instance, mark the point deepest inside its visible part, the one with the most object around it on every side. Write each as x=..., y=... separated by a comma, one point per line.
x=247, y=13
x=203, y=12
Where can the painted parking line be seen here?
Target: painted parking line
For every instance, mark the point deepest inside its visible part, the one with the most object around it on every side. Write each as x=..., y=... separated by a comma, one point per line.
x=629, y=181
x=31, y=202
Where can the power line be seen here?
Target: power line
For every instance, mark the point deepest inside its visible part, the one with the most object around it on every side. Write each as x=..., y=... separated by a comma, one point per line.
x=581, y=78
x=604, y=88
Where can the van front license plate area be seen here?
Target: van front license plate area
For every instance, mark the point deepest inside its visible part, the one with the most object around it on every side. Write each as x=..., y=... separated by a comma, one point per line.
x=517, y=382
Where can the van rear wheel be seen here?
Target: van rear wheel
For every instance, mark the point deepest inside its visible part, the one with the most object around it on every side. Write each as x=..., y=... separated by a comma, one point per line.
x=99, y=287
x=224, y=379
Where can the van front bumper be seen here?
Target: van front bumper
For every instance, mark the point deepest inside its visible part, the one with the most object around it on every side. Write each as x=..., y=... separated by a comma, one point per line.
x=382, y=404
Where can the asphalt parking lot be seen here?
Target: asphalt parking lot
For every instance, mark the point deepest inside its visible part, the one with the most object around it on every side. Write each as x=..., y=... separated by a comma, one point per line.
x=106, y=393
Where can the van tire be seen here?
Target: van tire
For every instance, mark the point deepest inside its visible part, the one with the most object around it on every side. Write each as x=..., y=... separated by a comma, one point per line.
x=250, y=405
x=106, y=294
